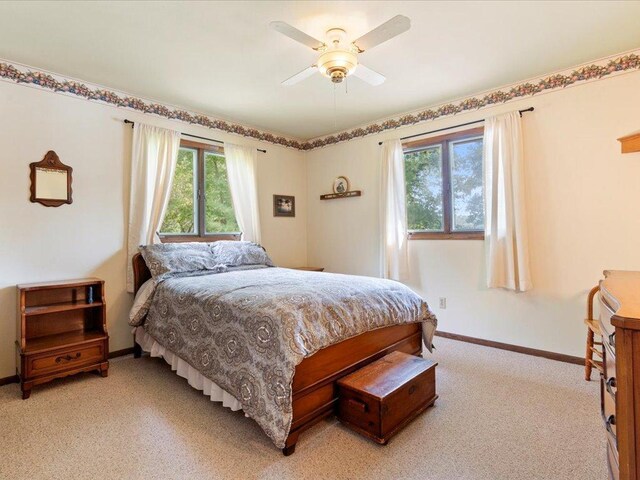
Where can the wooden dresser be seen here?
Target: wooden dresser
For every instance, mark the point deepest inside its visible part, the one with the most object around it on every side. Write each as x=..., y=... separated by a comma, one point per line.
x=620, y=383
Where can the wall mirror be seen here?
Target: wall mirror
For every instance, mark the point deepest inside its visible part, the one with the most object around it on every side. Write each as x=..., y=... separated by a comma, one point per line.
x=50, y=181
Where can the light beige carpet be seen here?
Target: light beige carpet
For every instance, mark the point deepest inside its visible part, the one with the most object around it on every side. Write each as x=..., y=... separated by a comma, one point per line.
x=500, y=415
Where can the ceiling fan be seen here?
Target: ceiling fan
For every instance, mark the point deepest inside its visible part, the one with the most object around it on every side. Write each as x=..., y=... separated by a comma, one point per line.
x=338, y=58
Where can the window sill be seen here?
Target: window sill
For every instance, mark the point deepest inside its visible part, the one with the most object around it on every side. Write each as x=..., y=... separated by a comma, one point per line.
x=213, y=237
x=446, y=236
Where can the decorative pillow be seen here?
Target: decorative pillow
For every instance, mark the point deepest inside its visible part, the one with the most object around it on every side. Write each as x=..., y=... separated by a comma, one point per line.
x=235, y=254
x=142, y=303
x=169, y=259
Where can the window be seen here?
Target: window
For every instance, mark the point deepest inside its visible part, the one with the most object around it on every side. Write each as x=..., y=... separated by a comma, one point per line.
x=200, y=206
x=445, y=194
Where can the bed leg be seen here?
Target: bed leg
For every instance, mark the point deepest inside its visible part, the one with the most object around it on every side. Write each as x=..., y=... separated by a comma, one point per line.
x=290, y=444
x=137, y=350
x=290, y=450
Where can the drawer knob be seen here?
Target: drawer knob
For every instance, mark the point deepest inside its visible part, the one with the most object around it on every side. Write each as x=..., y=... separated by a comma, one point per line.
x=610, y=385
x=68, y=358
x=611, y=420
x=412, y=389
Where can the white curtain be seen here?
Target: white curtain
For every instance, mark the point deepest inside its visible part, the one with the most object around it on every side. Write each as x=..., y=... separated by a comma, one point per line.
x=393, y=213
x=241, y=171
x=153, y=162
x=506, y=244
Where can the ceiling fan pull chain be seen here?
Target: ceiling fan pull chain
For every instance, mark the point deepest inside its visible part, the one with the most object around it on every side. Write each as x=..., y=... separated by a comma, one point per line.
x=335, y=107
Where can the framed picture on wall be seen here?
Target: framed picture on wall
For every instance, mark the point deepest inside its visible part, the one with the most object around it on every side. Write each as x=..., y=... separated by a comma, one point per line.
x=284, y=206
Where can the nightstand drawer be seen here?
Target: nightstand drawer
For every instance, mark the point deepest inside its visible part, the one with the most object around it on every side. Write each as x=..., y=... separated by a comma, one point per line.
x=65, y=359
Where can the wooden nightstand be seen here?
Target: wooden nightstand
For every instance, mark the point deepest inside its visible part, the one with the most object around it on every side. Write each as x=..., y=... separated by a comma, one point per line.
x=310, y=269
x=62, y=330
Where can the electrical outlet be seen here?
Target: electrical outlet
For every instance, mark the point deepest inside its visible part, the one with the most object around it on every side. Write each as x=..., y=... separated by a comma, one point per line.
x=443, y=303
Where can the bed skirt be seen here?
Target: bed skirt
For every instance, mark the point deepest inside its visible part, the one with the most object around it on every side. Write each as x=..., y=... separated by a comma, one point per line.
x=184, y=370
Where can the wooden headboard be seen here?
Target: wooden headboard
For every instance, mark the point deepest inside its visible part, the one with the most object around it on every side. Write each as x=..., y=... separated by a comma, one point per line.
x=141, y=272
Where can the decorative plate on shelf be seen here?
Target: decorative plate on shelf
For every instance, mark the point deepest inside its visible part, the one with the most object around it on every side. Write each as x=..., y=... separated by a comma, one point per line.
x=341, y=185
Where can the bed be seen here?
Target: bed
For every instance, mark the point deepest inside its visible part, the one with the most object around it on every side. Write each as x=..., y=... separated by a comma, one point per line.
x=313, y=387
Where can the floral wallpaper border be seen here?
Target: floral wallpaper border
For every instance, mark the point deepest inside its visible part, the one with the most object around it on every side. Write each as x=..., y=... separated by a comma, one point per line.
x=596, y=71
x=556, y=81
x=47, y=81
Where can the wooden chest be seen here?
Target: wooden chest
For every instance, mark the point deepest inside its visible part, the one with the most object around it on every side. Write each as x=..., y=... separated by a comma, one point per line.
x=381, y=398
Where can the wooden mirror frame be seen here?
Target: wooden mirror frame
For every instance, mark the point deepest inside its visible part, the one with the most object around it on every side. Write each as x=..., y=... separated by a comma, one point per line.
x=52, y=162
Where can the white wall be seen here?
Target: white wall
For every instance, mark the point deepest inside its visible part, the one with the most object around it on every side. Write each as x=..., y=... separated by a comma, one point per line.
x=583, y=210
x=87, y=238
x=583, y=197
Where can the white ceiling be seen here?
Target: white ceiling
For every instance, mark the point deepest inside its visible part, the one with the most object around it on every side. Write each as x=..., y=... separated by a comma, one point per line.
x=222, y=59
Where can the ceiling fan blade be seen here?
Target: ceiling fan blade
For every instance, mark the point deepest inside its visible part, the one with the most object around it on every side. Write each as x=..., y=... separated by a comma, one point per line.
x=298, y=77
x=297, y=35
x=370, y=76
x=384, y=32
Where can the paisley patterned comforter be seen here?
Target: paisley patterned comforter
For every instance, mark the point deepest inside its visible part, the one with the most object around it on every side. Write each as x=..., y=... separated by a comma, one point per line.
x=247, y=330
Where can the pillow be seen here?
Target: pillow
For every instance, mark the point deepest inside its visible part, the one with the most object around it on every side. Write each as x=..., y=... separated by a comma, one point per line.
x=236, y=254
x=168, y=259
x=141, y=303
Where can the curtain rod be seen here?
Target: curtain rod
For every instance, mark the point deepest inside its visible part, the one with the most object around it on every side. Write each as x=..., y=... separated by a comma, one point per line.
x=195, y=136
x=530, y=109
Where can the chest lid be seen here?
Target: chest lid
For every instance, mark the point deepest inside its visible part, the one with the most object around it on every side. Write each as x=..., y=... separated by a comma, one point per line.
x=382, y=377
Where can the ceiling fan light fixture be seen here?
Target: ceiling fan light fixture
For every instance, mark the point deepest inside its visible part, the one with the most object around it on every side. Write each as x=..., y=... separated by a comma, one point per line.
x=339, y=59
x=337, y=64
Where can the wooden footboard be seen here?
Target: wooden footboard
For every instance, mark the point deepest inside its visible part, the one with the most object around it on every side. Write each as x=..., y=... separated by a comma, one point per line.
x=314, y=384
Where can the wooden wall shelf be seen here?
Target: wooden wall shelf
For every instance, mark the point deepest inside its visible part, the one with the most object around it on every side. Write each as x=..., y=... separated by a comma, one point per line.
x=333, y=196
x=630, y=143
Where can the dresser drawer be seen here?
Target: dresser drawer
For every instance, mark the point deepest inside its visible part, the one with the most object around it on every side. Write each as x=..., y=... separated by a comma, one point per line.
x=65, y=359
x=609, y=417
x=609, y=366
x=612, y=462
x=608, y=330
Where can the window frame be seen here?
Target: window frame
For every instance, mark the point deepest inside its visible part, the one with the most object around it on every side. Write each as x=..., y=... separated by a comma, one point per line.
x=200, y=234
x=447, y=201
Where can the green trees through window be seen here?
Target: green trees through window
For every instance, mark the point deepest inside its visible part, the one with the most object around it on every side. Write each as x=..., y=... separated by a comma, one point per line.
x=423, y=177
x=219, y=216
x=200, y=170
x=466, y=185
x=444, y=185
x=181, y=212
